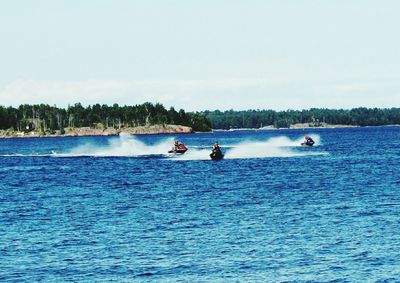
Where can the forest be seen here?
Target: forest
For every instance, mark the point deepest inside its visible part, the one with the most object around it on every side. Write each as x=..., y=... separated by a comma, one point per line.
x=314, y=117
x=46, y=118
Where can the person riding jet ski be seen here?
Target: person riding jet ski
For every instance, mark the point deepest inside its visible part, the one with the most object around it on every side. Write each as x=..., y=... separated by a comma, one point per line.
x=216, y=153
x=178, y=148
x=308, y=141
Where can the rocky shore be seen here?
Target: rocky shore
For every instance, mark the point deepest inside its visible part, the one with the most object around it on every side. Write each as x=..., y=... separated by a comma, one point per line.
x=321, y=125
x=86, y=131
x=296, y=126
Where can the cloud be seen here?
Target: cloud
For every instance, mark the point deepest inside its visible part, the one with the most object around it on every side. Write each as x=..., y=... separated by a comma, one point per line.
x=187, y=94
x=204, y=94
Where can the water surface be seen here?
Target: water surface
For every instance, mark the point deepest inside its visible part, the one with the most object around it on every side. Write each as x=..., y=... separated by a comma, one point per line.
x=116, y=209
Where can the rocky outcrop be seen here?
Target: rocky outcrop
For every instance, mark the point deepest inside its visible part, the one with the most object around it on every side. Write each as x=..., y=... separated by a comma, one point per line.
x=158, y=129
x=86, y=131
x=320, y=125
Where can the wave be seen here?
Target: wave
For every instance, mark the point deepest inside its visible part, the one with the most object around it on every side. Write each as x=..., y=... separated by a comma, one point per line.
x=274, y=147
x=129, y=146
x=126, y=145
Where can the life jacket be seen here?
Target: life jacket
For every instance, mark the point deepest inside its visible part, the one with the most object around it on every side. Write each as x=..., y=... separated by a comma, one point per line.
x=182, y=147
x=310, y=141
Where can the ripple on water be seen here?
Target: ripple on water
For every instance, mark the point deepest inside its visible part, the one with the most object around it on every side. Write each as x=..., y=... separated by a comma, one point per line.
x=309, y=218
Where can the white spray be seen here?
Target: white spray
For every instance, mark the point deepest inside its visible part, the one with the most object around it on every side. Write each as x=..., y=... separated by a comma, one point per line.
x=273, y=147
x=127, y=145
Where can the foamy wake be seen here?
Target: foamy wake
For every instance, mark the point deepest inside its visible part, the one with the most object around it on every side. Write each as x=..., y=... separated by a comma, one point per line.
x=273, y=147
x=129, y=146
x=126, y=145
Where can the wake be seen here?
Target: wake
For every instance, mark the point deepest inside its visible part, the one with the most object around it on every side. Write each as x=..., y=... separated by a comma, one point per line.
x=129, y=146
x=126, y=145
x=273, y=147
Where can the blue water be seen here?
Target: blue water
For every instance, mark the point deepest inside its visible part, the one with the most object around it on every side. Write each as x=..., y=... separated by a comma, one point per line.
x=95, y=209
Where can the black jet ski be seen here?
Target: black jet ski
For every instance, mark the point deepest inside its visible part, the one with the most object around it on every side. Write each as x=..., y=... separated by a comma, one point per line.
x=216, y=154
x=307, y=143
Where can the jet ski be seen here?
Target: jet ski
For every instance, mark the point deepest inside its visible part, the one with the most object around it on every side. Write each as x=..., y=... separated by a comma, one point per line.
x=179, y=149
x=216, y=154
x=308, y=141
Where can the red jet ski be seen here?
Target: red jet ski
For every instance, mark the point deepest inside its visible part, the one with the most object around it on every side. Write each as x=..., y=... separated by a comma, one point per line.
x=179, y=149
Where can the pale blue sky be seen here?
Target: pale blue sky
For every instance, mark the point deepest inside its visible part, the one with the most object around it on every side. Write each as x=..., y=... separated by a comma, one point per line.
x=201, y=55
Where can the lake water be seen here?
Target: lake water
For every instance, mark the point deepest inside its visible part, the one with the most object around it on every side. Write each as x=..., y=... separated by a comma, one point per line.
x=116, y=209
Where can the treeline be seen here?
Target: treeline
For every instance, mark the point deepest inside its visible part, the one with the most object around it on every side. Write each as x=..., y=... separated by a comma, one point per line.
x=48, y=118
x=313, y=117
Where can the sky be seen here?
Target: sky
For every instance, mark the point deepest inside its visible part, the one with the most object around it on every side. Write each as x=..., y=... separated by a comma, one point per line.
x=199, y=55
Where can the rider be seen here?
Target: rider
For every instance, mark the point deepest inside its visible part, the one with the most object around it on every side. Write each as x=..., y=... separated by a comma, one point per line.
x=179, y=146
x=216, y=147
x=308, y=140
x=216, y=153
x=176, y=145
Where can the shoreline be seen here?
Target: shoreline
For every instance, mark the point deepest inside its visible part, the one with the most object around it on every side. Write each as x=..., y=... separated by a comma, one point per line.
x=300, y=127
x=156, y=130
x=89, y=132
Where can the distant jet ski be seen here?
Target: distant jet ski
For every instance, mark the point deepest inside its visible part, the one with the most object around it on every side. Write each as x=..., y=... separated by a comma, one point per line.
x=308, y=141
x=216, y=153
x=179, y=148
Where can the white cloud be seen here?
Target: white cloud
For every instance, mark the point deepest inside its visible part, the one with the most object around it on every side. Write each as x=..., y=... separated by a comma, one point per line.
x=188, y=94
x=204, y=94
